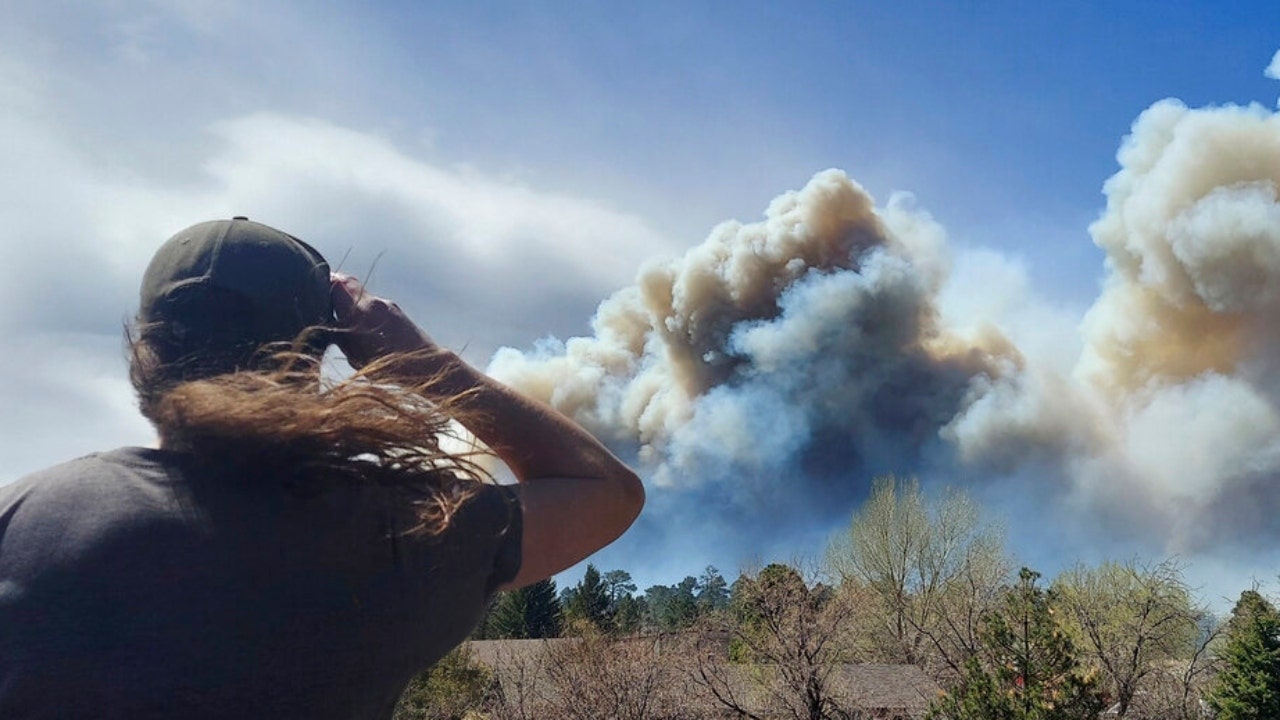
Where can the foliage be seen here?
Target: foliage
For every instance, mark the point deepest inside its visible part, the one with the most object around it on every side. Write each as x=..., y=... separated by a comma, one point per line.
x=1030, y=671
x=451, y=690
x=672, y=608
x=603, y=677
x=929, y=572
x=1130, y=621
x=929, y=582
x=1248, y=686
x=713, y=591
x=625, y=611
x=532, y=611
x=588, y=601
x=788, y=639
x=628, y=614
x=604, y=603
x=589, y=677
x=618, y=585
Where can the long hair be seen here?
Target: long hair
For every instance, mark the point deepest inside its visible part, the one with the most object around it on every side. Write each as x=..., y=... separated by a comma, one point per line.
x=270, y=410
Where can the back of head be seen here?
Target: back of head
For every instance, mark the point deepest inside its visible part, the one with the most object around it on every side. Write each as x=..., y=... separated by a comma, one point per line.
x=216, y=294
x=233, y=319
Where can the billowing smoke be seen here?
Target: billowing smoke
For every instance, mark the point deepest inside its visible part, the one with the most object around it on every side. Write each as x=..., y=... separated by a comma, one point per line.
x=781, y=364
x=1183, y=344
x=1167, y=427
x=783, y=360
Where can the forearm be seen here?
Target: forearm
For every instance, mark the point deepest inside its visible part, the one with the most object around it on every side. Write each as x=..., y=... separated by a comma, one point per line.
x=575, y=496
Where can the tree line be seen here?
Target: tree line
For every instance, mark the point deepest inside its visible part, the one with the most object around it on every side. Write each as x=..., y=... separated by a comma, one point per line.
x=603, y=602
x=918, y=581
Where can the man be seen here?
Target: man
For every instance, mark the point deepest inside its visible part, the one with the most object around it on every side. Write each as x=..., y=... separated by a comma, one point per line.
x=291, y=549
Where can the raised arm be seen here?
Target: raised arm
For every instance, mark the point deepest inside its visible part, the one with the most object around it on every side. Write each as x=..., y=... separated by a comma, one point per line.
x=576, y=496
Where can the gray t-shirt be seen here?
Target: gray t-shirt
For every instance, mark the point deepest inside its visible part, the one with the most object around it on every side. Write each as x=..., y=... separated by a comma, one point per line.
x=135, y=584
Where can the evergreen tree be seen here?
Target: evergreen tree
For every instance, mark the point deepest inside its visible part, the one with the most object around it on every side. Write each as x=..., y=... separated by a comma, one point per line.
x=532, y=611
x=682, y=606
x=713, y=591
x=588, y=601
x=671, y=608
x=628, y=614
x=625, y=611
x=1031, y=671
x=1248, y=688
x=655, y=601
x=618, y=585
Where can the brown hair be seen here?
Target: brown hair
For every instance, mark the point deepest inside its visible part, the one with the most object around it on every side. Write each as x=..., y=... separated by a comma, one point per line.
x=270, y=409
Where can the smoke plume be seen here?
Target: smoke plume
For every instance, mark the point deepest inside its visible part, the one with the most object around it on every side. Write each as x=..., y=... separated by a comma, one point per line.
x=779, y=365
x=803, y=348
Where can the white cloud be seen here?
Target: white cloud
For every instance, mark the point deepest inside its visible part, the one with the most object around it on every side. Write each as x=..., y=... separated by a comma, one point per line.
x=66, y=395
x=478, y=259
x=490, y=222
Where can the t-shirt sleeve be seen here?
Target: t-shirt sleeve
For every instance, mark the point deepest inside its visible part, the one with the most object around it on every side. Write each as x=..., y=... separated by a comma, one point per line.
x=493, y=519
x=508, y=557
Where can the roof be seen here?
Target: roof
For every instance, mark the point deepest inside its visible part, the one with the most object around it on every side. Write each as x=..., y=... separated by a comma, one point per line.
x=886, y=691
x=502, y=654
x=897, y=687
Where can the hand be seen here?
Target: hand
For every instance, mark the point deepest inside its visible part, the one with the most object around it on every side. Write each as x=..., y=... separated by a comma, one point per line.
x=372, y=327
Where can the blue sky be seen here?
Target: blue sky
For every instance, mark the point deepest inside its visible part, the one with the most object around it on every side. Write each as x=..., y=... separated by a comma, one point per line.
x=515, y=163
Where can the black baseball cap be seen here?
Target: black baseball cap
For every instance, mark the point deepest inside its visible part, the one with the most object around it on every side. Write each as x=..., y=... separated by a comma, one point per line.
x=278, y=284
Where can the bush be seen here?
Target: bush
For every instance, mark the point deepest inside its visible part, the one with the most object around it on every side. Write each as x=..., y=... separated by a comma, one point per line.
x=454, y=689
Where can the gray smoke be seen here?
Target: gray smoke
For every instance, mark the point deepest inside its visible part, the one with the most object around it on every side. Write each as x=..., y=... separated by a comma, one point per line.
x=802, y=350
x=777, y=366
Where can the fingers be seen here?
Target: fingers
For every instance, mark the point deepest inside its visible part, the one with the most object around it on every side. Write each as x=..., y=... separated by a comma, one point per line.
x=373, y=326
x=345, y=291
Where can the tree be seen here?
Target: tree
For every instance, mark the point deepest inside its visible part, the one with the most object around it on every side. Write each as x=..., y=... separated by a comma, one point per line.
x=1248, y=686
x=671, y=608
x=617, y=584
x=1130, y=620
x=789, y=644
x=625, y=611
x=1179, y=692
x=588, y=601
x=713, y=591
x=931, y=570
x=590, y=677
x=1030, y=670
x=628, y=614
x=450, y=690
x=532, y=611
x=599, y=676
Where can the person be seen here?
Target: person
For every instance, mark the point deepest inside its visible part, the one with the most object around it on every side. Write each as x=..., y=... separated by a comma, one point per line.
x=297, y=546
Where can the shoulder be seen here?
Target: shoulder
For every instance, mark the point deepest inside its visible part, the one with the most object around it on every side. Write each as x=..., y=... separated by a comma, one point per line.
x=485, y=533
x=94, y=487
x=86, y=473
x=488, y=510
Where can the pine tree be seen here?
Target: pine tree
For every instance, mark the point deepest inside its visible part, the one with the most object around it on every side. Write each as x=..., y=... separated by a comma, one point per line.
x=618, y=585
x=1248, y=688
x=588, y=601
x=532, y=611
x=628, y=614
x=1031, y=671
x=713, y=591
